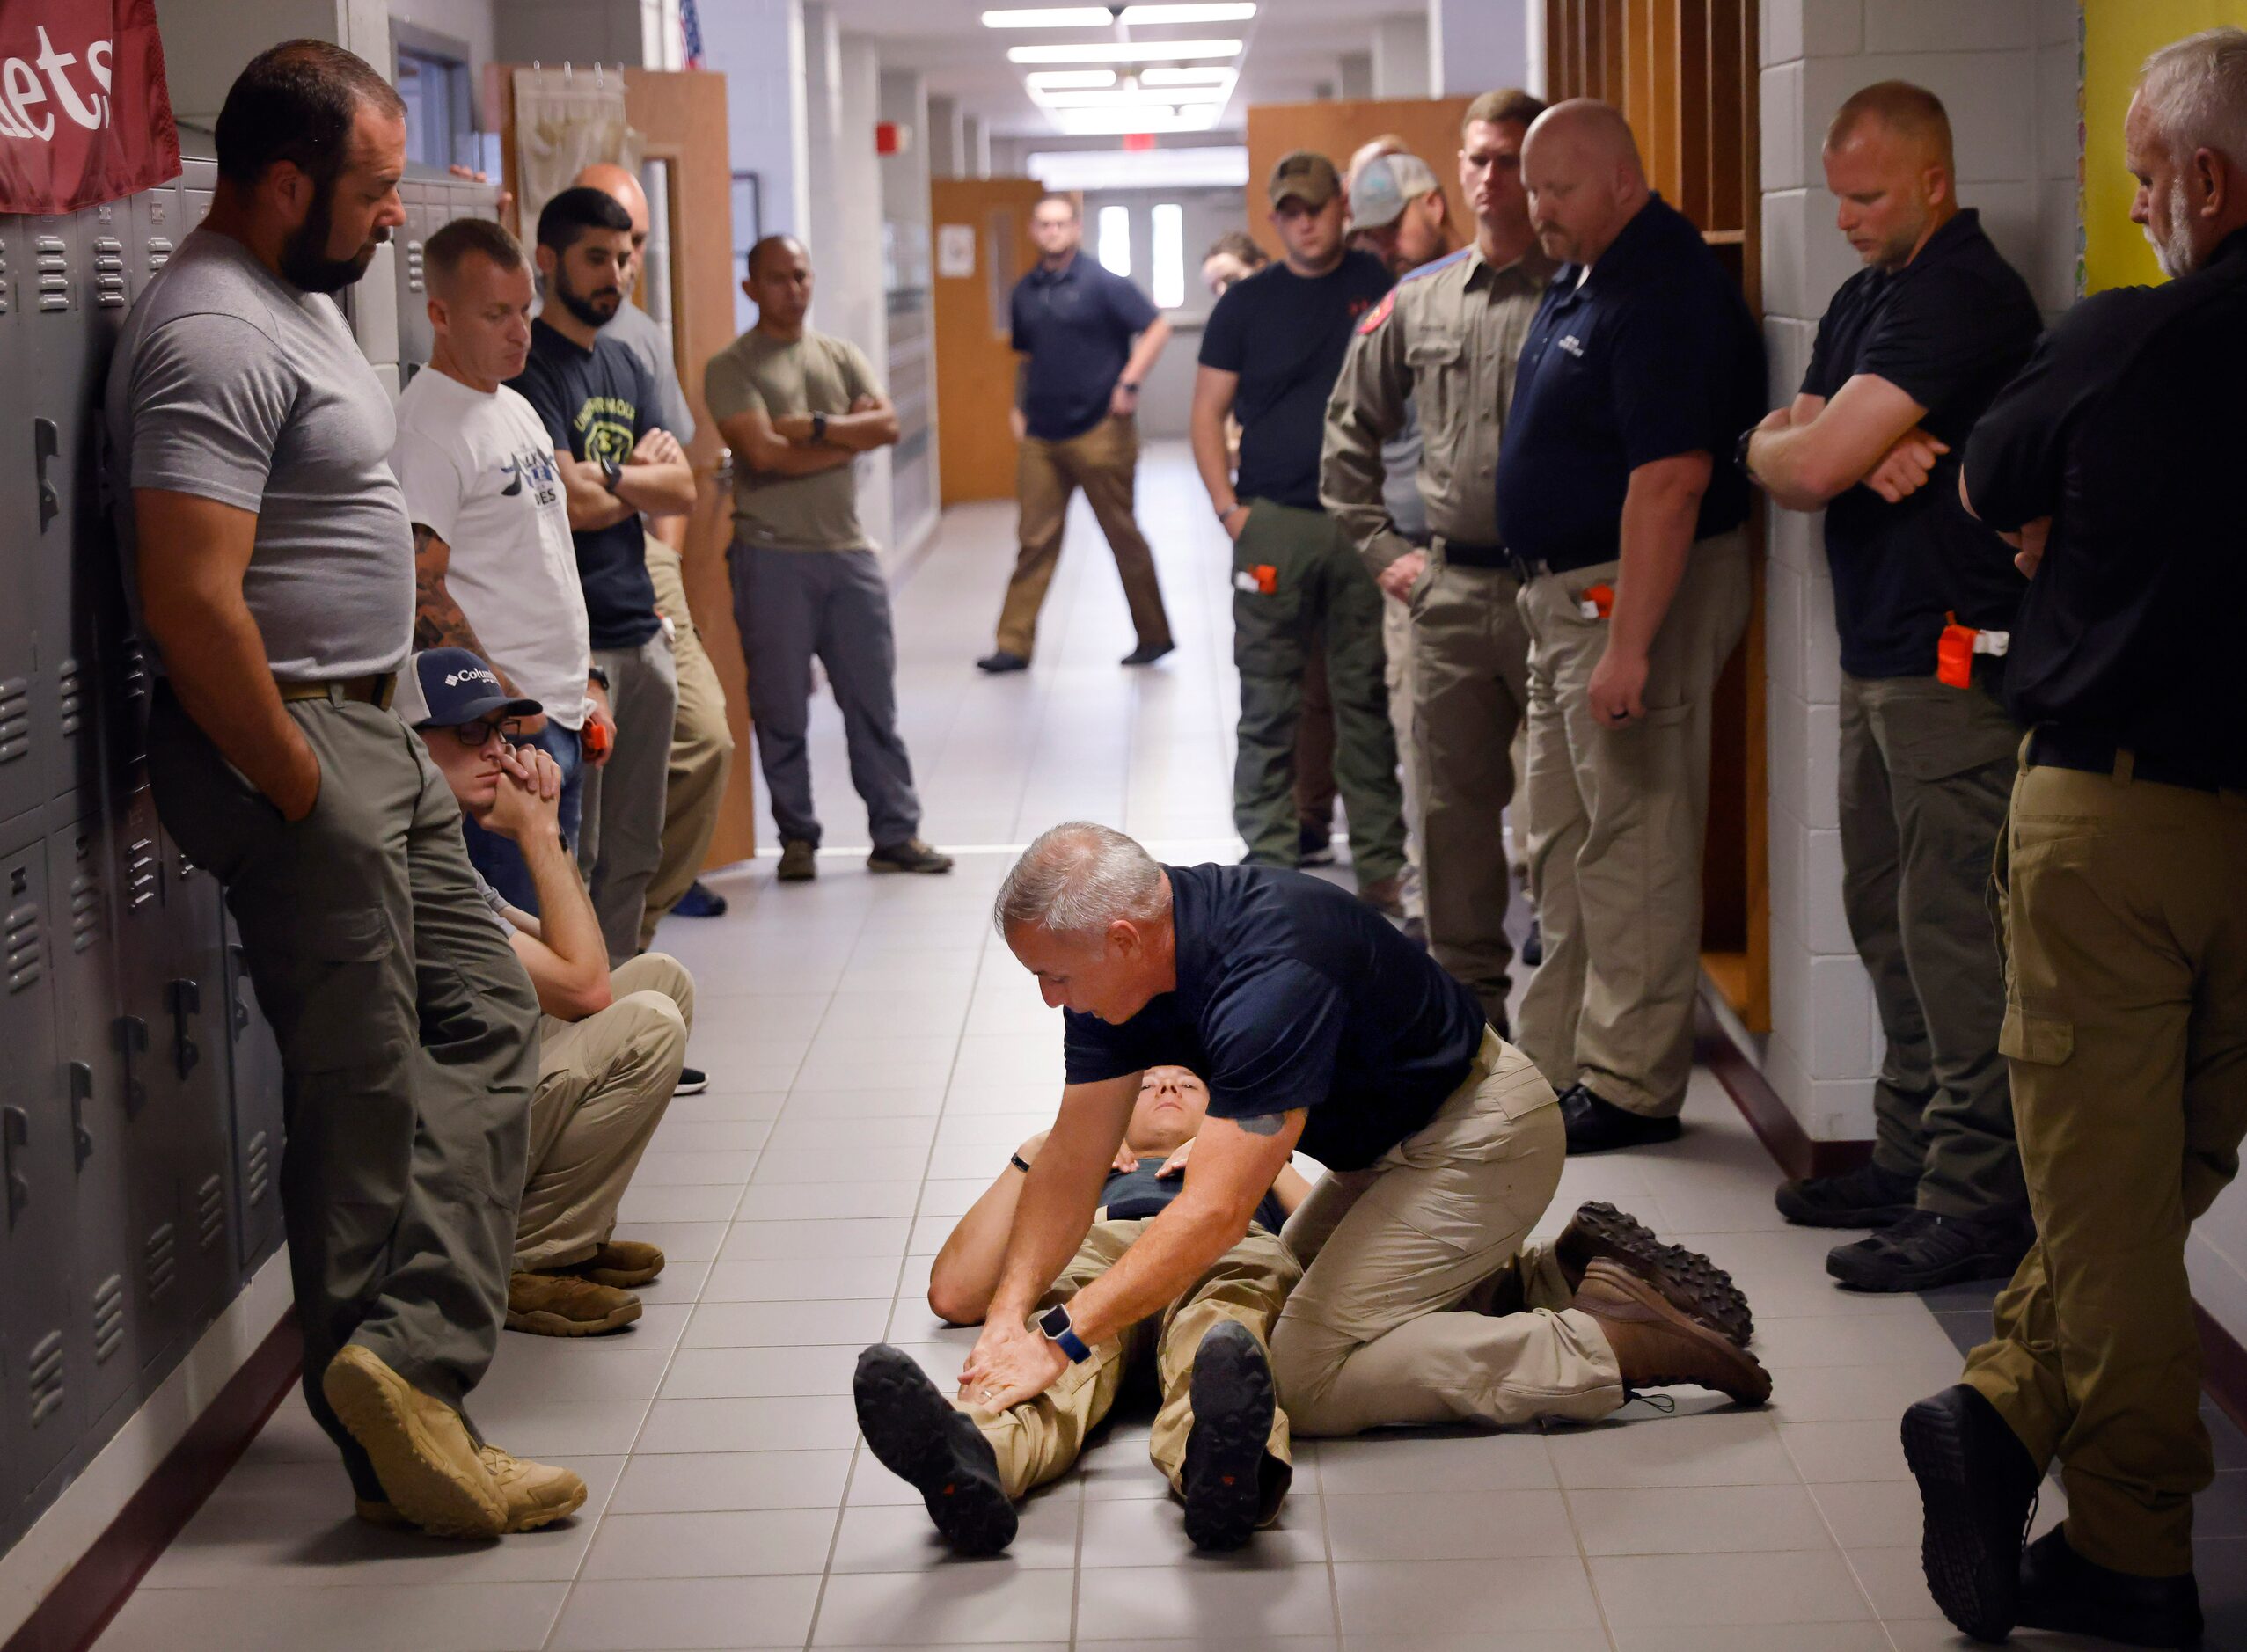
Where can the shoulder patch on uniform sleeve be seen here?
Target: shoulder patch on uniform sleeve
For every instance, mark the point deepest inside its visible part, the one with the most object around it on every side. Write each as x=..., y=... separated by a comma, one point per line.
x=1380, y=312
x=1443, y=263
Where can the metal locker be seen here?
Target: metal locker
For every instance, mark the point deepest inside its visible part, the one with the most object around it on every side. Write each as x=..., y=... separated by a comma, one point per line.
x=23, y=780
x=260, y=1131
x=425, y=216
x=37, y=1180
x=199, y=1018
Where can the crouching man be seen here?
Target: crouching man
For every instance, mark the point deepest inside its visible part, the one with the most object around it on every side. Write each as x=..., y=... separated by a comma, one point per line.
x=610, y=1041
x=1219, y=1438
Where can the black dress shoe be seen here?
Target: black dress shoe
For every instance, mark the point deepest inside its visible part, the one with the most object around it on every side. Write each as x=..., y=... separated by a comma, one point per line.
x=1148, y=653
x=1597, y=1127
x=1925, y=1250
x=1977, y=1491
x=999, y=661
x=2060, y=1589
x=1867, y=1196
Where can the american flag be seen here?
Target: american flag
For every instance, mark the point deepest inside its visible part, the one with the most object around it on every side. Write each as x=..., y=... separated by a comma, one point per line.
x=691, y=26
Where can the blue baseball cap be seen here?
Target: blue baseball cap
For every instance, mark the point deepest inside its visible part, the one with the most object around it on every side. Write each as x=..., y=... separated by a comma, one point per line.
x=448, y=687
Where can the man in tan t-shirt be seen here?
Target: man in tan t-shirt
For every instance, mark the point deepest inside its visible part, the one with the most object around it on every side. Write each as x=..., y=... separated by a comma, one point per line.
x=796, y=408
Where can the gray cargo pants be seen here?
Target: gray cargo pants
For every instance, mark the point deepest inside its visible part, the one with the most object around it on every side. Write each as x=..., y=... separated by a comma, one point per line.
x=621, y=841
x=790, y=606
x=409, y=1035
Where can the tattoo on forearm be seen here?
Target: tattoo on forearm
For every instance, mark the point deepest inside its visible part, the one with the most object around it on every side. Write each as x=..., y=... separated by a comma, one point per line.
x=438, y=622
x=1263, y=1123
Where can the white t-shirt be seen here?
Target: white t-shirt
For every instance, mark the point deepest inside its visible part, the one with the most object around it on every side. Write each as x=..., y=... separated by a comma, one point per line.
x=478, y=471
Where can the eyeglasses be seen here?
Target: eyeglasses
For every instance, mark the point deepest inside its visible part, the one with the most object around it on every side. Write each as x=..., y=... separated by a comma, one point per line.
x=474, y=735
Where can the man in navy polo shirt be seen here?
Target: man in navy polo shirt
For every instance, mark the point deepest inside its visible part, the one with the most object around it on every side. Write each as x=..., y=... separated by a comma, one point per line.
x=1909, y=354
x=1089, y=339
x=1639, y=371
x=1316, y=1024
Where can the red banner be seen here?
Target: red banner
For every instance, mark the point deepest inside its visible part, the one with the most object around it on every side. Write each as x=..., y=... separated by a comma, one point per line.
x=85, y=114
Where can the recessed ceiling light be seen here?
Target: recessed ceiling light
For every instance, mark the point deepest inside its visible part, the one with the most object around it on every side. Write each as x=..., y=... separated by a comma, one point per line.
x=1068, y=79
x=1050, y=17
x=1105, y=52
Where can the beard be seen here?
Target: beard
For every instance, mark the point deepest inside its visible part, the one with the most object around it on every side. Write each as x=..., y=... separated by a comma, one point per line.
x=304, y=262
x=2173, y=251
x=596, y=309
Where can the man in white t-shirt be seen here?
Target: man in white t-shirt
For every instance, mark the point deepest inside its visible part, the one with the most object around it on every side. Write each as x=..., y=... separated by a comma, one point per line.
x=496, y=571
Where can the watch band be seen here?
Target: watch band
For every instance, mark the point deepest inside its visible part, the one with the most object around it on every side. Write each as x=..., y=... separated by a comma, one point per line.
x=1019, y=1163
x=1054, y=1322
x=819, y=427
x=1740, y=453
x=597, y=674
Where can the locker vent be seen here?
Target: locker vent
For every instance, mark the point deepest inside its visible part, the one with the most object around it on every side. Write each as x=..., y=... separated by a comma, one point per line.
x=27, y=957
x=108, y=1317
x=53, y=259
x=46, y=1377
x=414, y=267
x=85, y=910
x=4, y=271
x=159, y=252
x=135, y=669
x=109, y=273
x=15, y=719
x=160, y=1261
x=71, y=688
x=210, y=1210
x=143, y=873
x=257, y=1167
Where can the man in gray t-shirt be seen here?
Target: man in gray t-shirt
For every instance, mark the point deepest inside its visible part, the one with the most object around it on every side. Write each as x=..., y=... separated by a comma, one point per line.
x=271, y=570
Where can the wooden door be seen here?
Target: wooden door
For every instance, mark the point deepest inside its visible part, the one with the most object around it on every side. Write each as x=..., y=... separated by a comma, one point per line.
x=1430, y=127
x=983, y=248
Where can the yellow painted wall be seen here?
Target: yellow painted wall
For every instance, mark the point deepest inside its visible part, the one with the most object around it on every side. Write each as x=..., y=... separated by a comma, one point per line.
x=2117, y=35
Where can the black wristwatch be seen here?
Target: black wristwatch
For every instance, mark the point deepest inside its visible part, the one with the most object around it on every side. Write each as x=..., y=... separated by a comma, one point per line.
x=612, y=472
x=597, y=674
x=1739, y=452
x=819, y=427
x=1126, y=384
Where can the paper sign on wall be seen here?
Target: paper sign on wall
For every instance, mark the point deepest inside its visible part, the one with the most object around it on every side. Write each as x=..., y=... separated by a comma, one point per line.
x=955, y=251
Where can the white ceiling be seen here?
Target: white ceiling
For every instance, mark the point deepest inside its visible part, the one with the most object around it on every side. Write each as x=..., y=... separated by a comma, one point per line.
x=1292, y=47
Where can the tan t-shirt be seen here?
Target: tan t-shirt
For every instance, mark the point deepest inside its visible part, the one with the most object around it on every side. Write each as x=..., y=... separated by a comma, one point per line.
x=813, y=373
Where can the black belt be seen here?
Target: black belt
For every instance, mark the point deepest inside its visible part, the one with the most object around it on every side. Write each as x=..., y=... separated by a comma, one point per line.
x=1460, y=555
x=2050, y=748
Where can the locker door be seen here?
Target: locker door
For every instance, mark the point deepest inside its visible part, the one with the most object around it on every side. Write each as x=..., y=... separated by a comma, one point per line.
x=37, y=1178
x=416, y=338
x=104, y=1329
x=198, y=1031
x=143, y=1041
x=259, y=1129
x=22, y=779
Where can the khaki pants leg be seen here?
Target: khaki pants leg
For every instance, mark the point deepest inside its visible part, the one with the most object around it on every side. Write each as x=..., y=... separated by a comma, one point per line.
x=1553, y=838
x=1043, y=484
x=603, y=1083
x=1247, y=1284
x=1372, y=1336
x=2126, y=1023
x=1470, y=661
x=621, y=843
x=702, y=749
x=1633, y=938
x=1105, y=462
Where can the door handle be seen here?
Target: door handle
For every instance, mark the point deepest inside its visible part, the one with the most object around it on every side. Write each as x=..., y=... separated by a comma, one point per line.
x=47, y=445
x=186, y=998
x=15, y=1138
x=132, y=1043
x=81, y=1093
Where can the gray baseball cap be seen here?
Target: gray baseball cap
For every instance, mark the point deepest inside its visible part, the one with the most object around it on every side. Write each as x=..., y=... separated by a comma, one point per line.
x=1384, y=186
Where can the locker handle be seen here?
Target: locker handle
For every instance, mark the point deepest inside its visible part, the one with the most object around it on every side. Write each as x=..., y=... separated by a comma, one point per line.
x=81, y=1093
x=47, y=444
x=186, y=998
x=132, y=1043
x=241, y=1009
x=15, y=1135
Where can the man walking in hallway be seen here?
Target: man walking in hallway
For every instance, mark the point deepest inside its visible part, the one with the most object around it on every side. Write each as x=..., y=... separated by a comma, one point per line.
x=1272, y=350
x=1908, y=355
x=1089, y=339
x=1640, y=372
x=797, y=406
x=1447, y=343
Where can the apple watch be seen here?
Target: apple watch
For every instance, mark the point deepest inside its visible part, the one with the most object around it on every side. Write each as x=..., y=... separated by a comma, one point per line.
x=612, y=472
x=1055, y=1323
x=819, y=427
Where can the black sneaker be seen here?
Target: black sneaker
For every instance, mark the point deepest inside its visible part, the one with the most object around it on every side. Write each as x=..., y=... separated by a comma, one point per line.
x=1867, y=1196
x=693, y=1081
x=1597, y=1127
x=1925, y=1250
x=2060, y=1589
x=1314, y=845
x=1225, y=1451
x=999, y=661
x=1145, y=653
x=798, y=861
x=700, y=900
x=922, y=1439
x=1978, y=1492
x=1533, y=944
x=913, y=855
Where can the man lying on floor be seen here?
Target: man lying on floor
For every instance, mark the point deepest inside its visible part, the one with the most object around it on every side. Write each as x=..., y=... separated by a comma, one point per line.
x=1218, y=1437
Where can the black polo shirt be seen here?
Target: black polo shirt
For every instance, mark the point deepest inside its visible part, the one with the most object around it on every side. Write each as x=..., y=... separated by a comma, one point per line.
x=1130, y=1195
x=1076, y=324
x=595, y=402
x=1286, y=335
x=2125, y=430
x=1293, y=993
x=1652, y=355
x=1948, y=330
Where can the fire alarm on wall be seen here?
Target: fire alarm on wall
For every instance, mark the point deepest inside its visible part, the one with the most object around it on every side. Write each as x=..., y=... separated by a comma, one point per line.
x=890, y=138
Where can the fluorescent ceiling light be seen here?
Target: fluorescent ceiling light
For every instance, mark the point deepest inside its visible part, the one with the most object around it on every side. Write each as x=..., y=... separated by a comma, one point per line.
x=1110, y=123
x=1104, y=52
x=1102, y=17
x=1222, y=11
x=1125, y=98
x=1050, y=17
x=1216, y=167
x=1077, y=79
x=1181, y=77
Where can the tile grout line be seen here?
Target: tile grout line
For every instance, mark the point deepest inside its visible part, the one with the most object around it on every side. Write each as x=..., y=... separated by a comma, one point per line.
x=1583, y=1556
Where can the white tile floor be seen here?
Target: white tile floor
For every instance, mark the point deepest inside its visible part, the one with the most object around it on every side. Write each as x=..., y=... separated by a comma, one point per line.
x=874, y=1053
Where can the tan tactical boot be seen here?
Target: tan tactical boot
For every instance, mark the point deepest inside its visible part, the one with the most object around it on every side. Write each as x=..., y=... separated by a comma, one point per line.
x=1658, y=1346
x=564, y=1305
x=626, y=1264
x=419, y=1446
x=537, y=1494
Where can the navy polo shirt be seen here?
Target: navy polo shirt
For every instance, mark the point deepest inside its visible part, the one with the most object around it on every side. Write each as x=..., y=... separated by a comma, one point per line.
x=1076, y=324
x=1293, y=993
x=1651, y=355
x=1949, y=329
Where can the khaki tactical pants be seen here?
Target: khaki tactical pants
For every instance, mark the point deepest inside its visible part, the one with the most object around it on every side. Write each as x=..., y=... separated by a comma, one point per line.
x=409, y=1034
x=1619, y=816
x=2124, y=906
x=1038, y=1441
x=702, y=749
x=1404, y=1260
x=1295, y=575
x=1925, y=771
x=603, y=1083
x=1104, y=462
x=1471, y=662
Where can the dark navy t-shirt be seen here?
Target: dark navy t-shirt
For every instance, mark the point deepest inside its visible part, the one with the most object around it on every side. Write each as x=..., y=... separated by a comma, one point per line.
x=1652, y=355
x=1132, y=1194
x=1076, y=326
x=1293, y=993
x=1286, y=335
x=1949, y=329
x=597, y=402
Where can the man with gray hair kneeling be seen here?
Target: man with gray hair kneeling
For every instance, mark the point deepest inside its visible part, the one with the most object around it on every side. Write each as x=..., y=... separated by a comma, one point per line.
x=1317, y=1024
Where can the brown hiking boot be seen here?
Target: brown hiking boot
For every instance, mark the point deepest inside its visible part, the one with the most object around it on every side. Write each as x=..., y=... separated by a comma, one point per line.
x=429, y=1469
x=625, y=1264
x=1657, y=1346
x=799, y=862
x=1694, y=1284
x=537, y=1494
x=563, y=1304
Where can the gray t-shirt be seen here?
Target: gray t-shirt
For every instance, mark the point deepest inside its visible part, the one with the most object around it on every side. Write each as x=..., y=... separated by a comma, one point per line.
x=648, y=341
x=493, y=899
x=231, y=385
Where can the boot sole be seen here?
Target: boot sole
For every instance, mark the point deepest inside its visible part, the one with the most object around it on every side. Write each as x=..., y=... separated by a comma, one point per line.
x=537, y=1517
x=1870, y=1215
x=1871, y=1278
x=541, y=1323
x=1224, y=1453
x=1688, y=1281
x=1750, y=1384
x=624, y=1279
x=442, y=1498
x=916, y=1434
x=891, y=866
x=1979, y=1591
